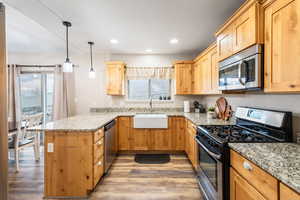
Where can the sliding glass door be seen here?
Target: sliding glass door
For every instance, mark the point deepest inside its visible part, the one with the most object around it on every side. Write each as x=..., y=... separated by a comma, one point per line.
x=36, y=92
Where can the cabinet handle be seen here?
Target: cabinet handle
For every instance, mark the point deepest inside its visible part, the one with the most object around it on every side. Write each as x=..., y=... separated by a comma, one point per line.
x=247, y=166
x=99, y=163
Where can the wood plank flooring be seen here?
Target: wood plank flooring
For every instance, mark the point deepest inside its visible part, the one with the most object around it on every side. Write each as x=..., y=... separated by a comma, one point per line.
x=127, y=180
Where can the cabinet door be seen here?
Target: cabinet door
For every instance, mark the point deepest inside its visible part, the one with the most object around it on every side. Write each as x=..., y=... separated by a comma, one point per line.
x=178, y=127
x=225, y=43
x=124, y=129
x=240, y=189
x=214, y=72
x=183, y=73
x=244, y=30
x=115, y=79
x=140, y=139
x=206, y=74
x=282, y=46
x=162, y=139
x=287, y=193
x=197, y=78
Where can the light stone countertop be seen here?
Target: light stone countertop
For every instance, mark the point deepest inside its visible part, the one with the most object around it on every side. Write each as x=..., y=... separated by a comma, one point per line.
x=281, y=160
x=94, y=121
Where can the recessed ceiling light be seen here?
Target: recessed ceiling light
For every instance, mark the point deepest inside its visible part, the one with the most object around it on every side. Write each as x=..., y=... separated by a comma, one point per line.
x=114, y=41
x=174, y=41
x=148, y=50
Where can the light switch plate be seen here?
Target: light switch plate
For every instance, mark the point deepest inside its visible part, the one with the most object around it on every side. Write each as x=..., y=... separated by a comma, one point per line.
x=50, y=148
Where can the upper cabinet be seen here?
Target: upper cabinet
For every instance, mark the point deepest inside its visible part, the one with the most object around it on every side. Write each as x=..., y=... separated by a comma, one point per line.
x=205, y=75
x=243, y=29
x=282, y=46
x=183, y=77
x=115, y=78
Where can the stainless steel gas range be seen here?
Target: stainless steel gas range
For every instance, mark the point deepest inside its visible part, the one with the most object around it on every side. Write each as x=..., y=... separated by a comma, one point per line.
x=253, y=125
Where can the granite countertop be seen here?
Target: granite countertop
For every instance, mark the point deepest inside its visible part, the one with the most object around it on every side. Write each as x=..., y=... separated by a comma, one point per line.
x=282, y=160
x=94, y=121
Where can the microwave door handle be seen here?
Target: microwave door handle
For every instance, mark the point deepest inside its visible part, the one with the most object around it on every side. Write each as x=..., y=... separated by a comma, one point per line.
x=212, y=154
x=240, y=72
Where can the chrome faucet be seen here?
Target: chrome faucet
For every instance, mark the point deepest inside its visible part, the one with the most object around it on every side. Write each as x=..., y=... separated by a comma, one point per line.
x=151, y=103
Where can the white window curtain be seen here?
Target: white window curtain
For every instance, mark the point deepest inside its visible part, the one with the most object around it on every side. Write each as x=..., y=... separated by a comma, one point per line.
x=14, y=102
x=142, y=73
x=63, y=93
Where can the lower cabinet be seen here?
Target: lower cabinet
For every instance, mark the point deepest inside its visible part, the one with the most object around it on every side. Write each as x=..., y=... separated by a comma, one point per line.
x=170, y=139
x=240, y=189
x=73, y=163
x=191, y=147
x=250, y=182
x=288, y=194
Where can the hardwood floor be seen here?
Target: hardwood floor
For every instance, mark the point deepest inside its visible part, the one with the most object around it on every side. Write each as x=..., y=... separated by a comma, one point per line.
x=126, y=180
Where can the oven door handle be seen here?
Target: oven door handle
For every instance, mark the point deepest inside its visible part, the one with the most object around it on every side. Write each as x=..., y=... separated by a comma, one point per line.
x=240, y=72
x=214, y=155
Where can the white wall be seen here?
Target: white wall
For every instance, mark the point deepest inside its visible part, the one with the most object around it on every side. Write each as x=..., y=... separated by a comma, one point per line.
x=91, y=93
x=285, y=102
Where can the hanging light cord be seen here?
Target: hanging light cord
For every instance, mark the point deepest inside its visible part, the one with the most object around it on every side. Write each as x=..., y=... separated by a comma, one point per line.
x=67, y=42
x=91, y=50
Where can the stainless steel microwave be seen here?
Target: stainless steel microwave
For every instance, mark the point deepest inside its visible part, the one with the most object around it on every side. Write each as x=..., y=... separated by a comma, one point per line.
x=242, y=71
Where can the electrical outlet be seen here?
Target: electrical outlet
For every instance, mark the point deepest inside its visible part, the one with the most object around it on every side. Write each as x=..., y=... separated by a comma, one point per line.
x=50, y=148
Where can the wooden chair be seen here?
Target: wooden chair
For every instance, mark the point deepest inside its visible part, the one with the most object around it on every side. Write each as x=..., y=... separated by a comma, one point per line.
x=23, y=138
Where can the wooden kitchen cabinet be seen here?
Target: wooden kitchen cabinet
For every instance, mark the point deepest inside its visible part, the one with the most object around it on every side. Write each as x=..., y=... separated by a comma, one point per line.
x=191, y=146
x=124, y=129
x=282, y=46
x=287, y=194
x=183, y=77
x=262, y=181
x=242, y=30
x=206, y=73
x=74, y=164
x=115, y=76
x=178, y=129
x=240, y=189
x=140, y=139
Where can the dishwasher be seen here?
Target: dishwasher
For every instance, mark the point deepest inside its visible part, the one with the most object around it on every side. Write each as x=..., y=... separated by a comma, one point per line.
x=110, y=146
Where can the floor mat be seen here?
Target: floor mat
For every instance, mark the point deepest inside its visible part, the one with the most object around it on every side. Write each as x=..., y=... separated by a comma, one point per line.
x=152, y=158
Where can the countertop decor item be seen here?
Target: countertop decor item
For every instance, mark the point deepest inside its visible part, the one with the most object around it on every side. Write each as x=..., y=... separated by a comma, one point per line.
x=211, y=113
x=224, y=110
x=186, y=105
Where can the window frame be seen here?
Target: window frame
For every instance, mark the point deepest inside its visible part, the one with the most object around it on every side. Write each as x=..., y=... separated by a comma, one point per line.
x=149, y=92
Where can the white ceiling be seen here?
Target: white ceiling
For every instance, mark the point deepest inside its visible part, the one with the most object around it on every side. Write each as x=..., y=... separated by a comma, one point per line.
x=35, y=25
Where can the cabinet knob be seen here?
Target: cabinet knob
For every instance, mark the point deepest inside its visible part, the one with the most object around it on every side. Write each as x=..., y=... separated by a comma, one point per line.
x=99, y=143
x=247, y=166
x=99, y=163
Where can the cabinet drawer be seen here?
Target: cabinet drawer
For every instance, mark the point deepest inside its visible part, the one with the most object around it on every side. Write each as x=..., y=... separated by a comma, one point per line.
x=266, y=184
x=98, y=150
x=98, y=135
x=98, y=170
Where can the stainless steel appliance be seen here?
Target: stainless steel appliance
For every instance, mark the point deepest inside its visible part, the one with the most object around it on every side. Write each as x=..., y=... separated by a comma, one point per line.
x=253, y=125
x=110, y=148
x=242, y=71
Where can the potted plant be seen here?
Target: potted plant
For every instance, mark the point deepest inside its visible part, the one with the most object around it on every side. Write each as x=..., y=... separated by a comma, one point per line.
x=211, y=112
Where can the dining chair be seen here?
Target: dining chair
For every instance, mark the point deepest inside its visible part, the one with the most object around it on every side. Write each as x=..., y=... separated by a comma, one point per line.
x=22, y=138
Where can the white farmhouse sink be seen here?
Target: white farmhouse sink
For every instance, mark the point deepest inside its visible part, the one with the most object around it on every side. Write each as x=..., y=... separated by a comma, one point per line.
x=150, y=120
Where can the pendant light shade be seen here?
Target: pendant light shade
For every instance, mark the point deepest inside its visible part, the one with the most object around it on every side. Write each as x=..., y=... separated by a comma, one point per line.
x=68, y=66
x=92, y=73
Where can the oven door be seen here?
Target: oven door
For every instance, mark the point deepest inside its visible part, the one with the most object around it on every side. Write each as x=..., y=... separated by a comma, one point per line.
x=210, y=173
x=245, y=74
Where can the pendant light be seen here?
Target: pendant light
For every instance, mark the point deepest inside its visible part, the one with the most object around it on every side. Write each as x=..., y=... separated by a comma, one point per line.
x=92, y=73
x=68, y=66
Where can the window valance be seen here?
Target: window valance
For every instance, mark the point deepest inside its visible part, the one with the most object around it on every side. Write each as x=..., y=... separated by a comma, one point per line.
x=141, y=73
